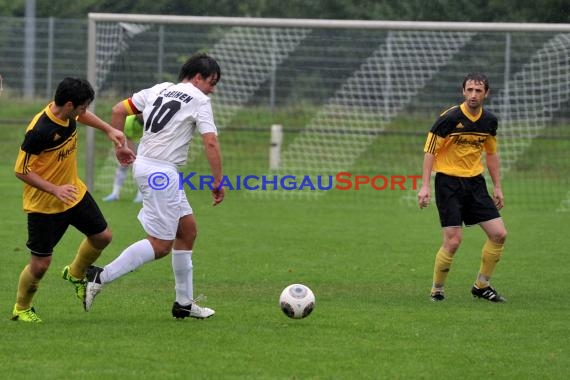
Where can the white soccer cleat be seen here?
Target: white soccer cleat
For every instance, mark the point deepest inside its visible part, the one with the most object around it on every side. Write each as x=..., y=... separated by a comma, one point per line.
x=201, y=312
x=111, y=198
x=94, y=285
x=192, y=311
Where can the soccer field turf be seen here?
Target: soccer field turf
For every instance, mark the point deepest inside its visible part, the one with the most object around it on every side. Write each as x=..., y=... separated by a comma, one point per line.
x=369, y=264
x=367, y=256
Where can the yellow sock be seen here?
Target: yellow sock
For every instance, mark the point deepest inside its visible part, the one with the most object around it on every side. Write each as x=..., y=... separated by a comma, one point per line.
x=86, y=255
x=27, y=287
x=443, y=261
x=490, y=256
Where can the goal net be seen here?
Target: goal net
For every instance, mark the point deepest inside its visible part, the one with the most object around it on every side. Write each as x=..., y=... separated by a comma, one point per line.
x=352, y=96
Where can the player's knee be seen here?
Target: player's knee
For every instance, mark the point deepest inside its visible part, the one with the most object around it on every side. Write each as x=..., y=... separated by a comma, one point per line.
x=191, y=238
x=161, y=253
x=161, y=248
x=452, y=243
x=499, y=237
x=39, y=266
x=101, y=240
x=188, y=236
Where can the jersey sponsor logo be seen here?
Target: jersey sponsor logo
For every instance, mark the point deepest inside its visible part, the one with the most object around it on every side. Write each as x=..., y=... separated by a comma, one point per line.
x=459, y=126
x=469, y=140
x=56, y=137
x=65, y=152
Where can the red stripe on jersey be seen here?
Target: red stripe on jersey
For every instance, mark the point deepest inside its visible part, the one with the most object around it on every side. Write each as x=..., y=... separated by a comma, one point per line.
x=129, y=105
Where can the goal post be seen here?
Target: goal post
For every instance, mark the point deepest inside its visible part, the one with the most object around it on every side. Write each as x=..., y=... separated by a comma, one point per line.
x=368, y=90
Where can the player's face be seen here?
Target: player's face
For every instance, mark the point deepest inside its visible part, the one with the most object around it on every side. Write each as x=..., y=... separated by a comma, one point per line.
x=73, y=112
x=206, y=85
x=474, y=93
x=80, y=110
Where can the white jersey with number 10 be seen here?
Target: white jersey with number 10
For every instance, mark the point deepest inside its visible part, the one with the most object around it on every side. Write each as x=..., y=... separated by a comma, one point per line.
x=172, y=112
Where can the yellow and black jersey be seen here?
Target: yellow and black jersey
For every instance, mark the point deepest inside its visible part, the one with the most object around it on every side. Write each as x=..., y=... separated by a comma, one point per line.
x=49, y=150
x=458, y=139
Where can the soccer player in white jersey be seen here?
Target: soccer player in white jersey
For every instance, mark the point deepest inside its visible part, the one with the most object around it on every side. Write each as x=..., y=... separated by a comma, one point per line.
x=172, y=112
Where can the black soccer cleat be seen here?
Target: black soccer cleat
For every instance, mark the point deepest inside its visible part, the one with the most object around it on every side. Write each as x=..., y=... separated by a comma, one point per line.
x=437, y=296
x=487, y=293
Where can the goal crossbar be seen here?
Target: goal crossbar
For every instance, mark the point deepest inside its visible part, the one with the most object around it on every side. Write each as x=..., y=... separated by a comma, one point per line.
x=331, y=24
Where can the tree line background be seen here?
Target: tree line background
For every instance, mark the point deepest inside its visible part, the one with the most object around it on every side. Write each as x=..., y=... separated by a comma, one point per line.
x=548, y=11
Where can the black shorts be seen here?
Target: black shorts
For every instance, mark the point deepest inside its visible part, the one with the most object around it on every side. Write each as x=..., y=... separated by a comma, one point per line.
x=463, y=200
x=46, y=230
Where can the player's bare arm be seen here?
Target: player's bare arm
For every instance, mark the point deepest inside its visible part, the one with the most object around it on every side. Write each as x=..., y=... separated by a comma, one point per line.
x=92, y=120
x=214, y=156
x=118, y=117
x=424, y=195
x=65, y=193
x=125, y=153
x=494, y=167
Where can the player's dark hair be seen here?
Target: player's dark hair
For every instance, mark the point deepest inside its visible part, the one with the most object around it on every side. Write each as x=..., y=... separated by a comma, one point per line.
x=75, y=90
x=477, y=78
x=202, y=64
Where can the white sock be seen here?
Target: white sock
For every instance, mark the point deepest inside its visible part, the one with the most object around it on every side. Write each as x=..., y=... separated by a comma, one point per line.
x=130, y=259
x=183, y=278
x=120, y=176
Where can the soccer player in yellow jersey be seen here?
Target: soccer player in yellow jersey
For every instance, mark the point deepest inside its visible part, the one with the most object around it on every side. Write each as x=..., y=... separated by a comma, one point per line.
x=54, y=197
x=454, y=150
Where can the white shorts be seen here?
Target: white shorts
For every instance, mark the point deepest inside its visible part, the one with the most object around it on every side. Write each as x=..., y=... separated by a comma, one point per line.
x=163, y=202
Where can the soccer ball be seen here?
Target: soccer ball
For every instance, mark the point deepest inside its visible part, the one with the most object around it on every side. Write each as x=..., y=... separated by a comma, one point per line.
x=297, y=301
x=133, y=128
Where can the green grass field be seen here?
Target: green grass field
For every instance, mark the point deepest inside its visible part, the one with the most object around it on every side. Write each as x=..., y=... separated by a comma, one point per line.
x=368, y=258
